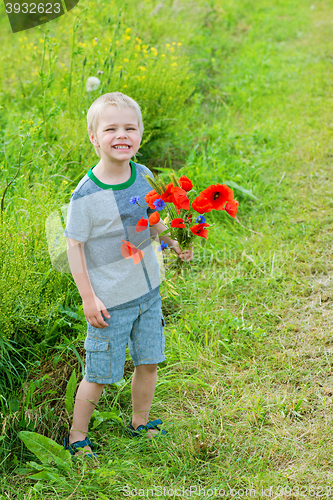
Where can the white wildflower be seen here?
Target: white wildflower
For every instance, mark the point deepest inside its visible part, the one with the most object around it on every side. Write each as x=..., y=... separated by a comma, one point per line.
x=92, y=83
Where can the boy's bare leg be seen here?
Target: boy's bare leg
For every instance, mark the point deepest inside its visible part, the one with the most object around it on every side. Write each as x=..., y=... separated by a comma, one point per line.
x=143, y=388
x=87, y=397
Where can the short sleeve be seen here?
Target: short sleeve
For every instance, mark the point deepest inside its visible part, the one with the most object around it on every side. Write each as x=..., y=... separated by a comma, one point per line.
x=79, y=220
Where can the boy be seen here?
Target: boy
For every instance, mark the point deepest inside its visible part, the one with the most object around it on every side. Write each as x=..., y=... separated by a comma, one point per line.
x=121, y=299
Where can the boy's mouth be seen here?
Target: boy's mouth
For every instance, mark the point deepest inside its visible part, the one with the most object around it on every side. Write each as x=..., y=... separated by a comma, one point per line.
x=124, y=146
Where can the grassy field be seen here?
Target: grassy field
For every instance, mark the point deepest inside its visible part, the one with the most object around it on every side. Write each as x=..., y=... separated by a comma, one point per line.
x=246, y=389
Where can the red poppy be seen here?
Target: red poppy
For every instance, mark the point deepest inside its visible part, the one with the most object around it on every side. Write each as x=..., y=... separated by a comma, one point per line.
x=202, y=205
x=185, y=183
x=151, y=197
x=199, y=230
x=178, y=222
x=141, y=225
x=154, y=218
x=180, y=198
x=231, y=207
x=129, y=250
x=217, y=195
x=167, y=196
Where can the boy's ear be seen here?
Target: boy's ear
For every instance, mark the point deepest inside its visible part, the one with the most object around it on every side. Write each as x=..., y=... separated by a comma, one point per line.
x=93, y=140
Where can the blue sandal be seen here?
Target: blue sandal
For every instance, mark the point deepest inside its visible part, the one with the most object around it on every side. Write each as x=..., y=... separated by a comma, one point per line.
x=142, y=429
x=73, y=447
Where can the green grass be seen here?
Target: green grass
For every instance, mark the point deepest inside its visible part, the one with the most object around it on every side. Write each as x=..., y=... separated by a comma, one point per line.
x=246, y=388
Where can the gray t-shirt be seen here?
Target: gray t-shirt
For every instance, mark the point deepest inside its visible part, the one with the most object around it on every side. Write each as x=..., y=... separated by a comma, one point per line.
x=101, y=215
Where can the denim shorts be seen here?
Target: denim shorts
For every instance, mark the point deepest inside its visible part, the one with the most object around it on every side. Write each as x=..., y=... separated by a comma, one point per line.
x=140, y=326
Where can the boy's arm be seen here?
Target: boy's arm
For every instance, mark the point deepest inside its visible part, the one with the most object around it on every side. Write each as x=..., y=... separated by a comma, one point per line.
x=78, y=266
x=173, y=244
x=92, y=306
x=156, y=229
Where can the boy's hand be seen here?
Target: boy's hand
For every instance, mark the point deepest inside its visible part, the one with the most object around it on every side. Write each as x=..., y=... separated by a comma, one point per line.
x=93, y=309
x=181, y=254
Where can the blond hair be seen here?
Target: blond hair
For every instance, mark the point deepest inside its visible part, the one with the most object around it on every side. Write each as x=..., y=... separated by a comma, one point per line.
x=116, y=99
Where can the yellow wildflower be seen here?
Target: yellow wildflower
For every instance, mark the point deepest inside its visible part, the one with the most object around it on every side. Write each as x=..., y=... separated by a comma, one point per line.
x=125, y=85
x=179, y=43
x=41, y=40
x=138, y=39
x=126, y=60
x=137, y=47
x=174, y=64
x=167, y=45
x=142, y=68
x=128, y=30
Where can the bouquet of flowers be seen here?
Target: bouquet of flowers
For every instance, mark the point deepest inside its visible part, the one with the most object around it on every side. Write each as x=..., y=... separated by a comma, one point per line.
x=179, y=202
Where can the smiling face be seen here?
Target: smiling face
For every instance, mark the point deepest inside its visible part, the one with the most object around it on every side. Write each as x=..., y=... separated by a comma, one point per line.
x=118, y=135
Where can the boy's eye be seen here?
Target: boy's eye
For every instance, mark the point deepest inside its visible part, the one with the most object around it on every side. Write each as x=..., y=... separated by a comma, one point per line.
x=129, y=128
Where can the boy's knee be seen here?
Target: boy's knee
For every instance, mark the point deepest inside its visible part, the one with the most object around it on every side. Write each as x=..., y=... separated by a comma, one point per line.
x=147, y=368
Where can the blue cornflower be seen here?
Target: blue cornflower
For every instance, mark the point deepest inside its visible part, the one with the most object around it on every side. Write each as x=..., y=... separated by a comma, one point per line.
x=201, y=219
x=134, y=199
x=162, y=246
x=159, y=204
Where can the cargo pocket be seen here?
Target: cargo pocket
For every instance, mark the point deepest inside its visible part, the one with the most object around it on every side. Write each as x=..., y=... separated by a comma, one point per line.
x=98, y=358
x=162, y=337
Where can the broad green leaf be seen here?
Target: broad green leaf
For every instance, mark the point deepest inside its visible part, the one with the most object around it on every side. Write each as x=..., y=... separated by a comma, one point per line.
x=241, y=189
x=103, y=416
x=71, y=385
x=35, y=465
x=47, y=476
x=47, y=450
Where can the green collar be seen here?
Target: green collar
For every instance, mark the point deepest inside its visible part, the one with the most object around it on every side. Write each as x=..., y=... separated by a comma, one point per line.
x=124, y=185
